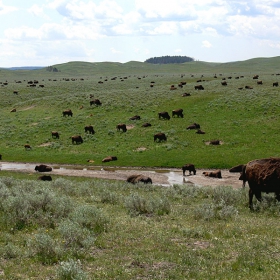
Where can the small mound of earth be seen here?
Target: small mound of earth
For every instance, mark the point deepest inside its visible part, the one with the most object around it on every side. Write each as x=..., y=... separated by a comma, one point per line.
x=45, y=144
x=130, y=126
x=140, y=149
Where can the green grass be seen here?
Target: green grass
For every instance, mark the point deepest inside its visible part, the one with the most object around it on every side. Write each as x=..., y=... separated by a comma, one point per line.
x=99, y=229
x=246, y=121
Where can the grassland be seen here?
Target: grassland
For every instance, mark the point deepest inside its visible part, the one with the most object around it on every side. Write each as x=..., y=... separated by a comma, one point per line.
x=246, y=121
x=81, y=228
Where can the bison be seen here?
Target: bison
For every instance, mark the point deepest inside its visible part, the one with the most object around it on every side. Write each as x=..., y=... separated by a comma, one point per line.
x=121, y=126
x=109, y=158
x=134, y=118
x=55, y=134
x=262, y=175
x=0, y=157
x=27, y=147
x=89, y=128
x=163, y=115
x=43, y=168
x=194, y=126
x=189, y=167
x=178, y=113
x=95, y=102
x=237, y=168
x=215, y=142
x=199, y=87
x=67, y=113
x=259, y=82
x=224, y=83
x=77, y=139
x=214, y=174
x=275, y=84
x=13, y=110
x=138, y=178
x=146, y=124
x=160, y=137
x=199, y=131
x=45, y=178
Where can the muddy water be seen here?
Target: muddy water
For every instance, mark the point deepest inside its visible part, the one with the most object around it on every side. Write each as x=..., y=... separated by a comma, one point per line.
x=173, y=177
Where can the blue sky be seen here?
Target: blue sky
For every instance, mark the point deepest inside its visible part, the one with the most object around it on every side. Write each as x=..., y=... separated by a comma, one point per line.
x=48, y=32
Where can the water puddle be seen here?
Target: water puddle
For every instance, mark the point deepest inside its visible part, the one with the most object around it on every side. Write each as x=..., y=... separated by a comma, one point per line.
x=174, y=177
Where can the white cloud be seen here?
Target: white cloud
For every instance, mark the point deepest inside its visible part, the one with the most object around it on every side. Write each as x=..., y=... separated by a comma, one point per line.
x=6, y=9
x=206, y=44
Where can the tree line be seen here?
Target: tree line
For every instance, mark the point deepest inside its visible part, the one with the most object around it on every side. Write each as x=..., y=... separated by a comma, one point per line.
x=169, y=59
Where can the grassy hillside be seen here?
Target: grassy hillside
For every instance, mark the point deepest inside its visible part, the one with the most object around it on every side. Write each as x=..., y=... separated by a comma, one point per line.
x=246, y=121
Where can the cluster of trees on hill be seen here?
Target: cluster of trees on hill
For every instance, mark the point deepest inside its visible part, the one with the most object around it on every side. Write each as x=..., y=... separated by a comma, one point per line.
x=52, y=69
x=169, y=59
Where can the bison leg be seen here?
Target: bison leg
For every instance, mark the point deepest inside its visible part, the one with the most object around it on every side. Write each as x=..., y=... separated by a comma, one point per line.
x=251, y=194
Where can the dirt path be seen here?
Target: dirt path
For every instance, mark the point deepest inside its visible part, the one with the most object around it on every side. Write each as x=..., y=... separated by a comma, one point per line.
x=159, y=176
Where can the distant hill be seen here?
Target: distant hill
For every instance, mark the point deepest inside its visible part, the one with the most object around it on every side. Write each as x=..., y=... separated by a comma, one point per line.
x=169, y=59
x=26, y=68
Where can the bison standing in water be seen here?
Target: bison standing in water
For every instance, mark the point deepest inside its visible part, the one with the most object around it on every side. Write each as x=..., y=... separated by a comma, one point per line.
x=134, y=179
x=262, y=175
x=43, y=168
x=189, y=167
x=160, y=137
x=77, y=139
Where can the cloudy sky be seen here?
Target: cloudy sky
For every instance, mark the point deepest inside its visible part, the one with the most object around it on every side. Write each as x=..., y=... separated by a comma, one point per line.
x=47, y=32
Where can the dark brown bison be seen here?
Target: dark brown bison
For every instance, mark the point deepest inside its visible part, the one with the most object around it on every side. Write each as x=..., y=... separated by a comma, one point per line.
x=186, y=94
x=194, y=126
x=27, y=147
x=134, y=118
x=160, y=137
x=89, y=128
x=199, y=87
x=55, y=134
x=13, y=110
x=77, y=139
x=215, y=142
x=109, y=158
x=138, y=178
x=95, y=102
x=146, y=124
x=214, y=174
x=237, y=168
x=43, y=168
x=67, y=113
x=255, y=77
x=262, y=175
x=121, y=126
x=275, y=84
x=259, y=82
x=45, y=178
x=0, y=157
x=189, y=167
x=178, y=113
x=163, y=115
x=248, y=87
x=199, y=131
x=224, y=83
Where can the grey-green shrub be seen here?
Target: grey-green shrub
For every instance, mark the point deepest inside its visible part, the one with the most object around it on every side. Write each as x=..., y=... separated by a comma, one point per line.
x=71, y=270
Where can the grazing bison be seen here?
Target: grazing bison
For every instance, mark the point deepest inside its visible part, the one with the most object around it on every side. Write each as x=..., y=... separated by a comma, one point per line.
x=43, y=168
x=194, y=126
x=199, y=87
x=146, y=124
x=27, y=147
x=189, y=167
x=134, y=118
x=248, y=87
x=121, y=126
x=224, y=83
x=163, y=115
x=89, y=128
x=178, y=113
x=134, y=179
x=275, y=84
x=259, y=82
x=262, y=175
x=45, y=178
x=77, y=139
x=255, y=77
x=55, y=134
x=160, y=137
x=214, y=174
x=199, y=131
x=13, y=110
x=95, y=102
x=67, y=113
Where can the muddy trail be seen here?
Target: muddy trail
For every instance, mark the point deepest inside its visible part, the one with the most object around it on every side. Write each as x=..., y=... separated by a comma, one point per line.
x=165, y=177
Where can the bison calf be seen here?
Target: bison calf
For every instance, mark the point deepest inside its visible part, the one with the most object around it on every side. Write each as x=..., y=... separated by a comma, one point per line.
x=214, y=174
